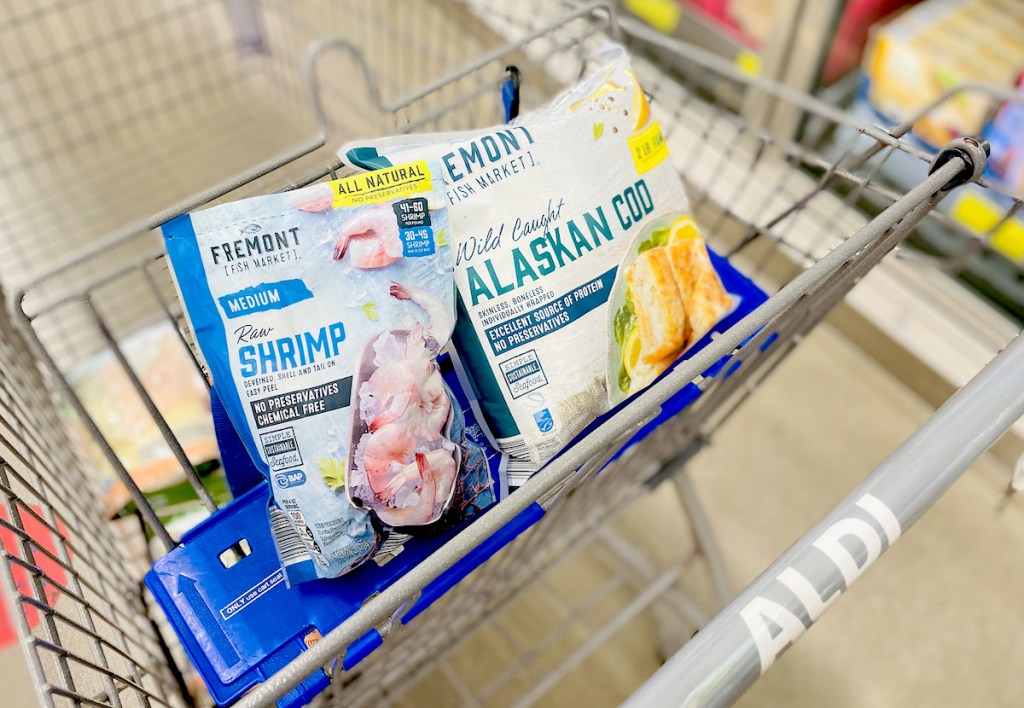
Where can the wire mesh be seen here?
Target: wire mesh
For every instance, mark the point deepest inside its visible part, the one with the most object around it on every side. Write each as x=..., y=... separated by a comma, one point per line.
x=77, y=597
x=156, y=133
x=574, y=515
x=111, y=113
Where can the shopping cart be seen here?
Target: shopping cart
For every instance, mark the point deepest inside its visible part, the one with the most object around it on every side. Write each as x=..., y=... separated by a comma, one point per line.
x=780, y=209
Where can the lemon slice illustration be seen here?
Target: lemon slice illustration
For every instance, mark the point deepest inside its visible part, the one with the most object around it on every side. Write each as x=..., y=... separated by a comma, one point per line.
x=641, y=107
x=684, y=228
x=631, y=352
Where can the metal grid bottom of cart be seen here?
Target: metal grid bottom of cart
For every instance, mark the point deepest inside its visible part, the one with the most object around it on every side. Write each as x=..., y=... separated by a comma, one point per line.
x=779, y=209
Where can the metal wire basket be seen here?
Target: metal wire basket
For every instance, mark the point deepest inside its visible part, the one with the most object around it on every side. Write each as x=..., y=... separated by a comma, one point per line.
x=783, y=211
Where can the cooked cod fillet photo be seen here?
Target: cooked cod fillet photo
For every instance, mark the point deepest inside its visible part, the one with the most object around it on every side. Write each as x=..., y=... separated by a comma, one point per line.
x=704, y=298
x=678, y=297
x=661, y=317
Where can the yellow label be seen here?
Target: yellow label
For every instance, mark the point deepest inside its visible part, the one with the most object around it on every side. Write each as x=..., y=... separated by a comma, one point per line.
x=648, y=148
x=381, y=185
x=1009, y=240
x=981, y=215
x=748, y=63
x=976, y=212
x=662, y=15
x=876, y=56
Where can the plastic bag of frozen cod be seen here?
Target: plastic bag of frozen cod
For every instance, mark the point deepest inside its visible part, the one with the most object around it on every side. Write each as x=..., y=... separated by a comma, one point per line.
x=320, y=313
x=581, y=275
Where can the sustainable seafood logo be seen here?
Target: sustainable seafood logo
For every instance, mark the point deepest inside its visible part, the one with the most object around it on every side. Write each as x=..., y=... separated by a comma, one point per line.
x=255, y=248
x=295, y=478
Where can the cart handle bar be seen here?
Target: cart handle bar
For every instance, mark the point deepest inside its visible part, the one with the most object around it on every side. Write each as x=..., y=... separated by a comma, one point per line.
x=605, y=440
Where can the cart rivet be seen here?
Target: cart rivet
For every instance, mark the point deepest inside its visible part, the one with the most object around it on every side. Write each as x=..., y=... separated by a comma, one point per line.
x=973, y=151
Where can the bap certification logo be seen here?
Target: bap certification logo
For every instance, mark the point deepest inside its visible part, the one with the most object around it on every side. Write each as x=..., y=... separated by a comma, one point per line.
x=545, y=423
x=295, y=478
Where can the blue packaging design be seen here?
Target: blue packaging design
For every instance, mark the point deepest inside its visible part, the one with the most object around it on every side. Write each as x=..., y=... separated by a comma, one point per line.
x=320, y=314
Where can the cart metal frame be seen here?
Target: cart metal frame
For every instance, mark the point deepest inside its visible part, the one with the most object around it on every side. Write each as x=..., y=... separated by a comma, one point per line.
x=780, y=218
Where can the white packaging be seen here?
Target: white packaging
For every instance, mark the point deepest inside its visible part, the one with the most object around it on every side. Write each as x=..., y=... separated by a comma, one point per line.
x=544, y=212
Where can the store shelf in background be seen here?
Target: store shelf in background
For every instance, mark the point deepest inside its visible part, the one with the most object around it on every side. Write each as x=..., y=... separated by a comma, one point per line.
x=980, y=213
x=949, y=67
x=996, y=268
x=680, y=20
x=931, y=328
x=913, y=60
x=924, y=326
x=742, y=31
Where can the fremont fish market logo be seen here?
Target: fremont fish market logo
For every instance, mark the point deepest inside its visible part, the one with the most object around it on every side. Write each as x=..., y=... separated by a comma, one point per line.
x=255, y=248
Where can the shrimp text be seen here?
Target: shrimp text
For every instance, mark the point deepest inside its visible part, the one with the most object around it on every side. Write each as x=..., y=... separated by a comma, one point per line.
x=291, y=352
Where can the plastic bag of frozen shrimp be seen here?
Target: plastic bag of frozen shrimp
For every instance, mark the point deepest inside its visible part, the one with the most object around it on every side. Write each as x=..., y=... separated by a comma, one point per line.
x=581, y=275
x=320, y=313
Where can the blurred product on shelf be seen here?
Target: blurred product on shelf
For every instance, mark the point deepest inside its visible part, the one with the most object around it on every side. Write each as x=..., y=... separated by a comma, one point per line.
x=46, y=540
x=919, y=56
x=748, y=25
x=987, y=212
x=1006, y=136
x=162, y=364
x=852, y=35
x=750, y=20
x=912, y=63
